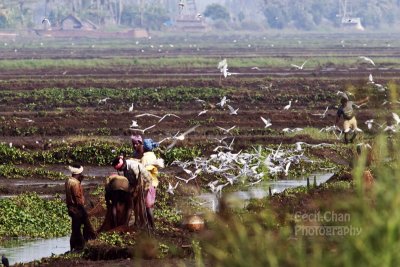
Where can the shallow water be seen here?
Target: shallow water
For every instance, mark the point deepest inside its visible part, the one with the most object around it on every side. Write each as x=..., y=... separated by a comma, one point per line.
x=240, y=199
x=18, y=250
x=27, y=251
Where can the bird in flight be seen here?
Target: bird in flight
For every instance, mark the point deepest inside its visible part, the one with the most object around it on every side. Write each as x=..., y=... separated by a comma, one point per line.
x=147, y=115
x=267, y=122
x=322, y=115
x=181, y=137
x=232, y=111
x=299, y=67
x=367, y=59
x=134, y=124
x=172, y=188
x=222, y=102
x=167, y=115
x=226, y=130
x=143, y=130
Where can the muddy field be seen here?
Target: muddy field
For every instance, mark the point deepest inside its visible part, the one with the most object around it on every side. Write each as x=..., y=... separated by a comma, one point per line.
x=43, y=108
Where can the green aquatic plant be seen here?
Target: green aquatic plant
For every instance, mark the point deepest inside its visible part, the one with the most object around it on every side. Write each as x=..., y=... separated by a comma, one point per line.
x=28, y=215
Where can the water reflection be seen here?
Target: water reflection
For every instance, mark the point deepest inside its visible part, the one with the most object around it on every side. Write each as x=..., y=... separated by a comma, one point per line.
x=20, y=250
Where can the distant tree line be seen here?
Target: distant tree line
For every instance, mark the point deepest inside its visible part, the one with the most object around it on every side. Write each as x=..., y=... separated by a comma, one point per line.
x=308, y=14
x=131, y=13
x=235, y=14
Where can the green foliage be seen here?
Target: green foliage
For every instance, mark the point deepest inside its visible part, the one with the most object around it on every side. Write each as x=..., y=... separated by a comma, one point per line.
x=116, y=239
x=181, y=154
x=10, y=171
x=93, y=153
x=28, y=215
x=78, y=98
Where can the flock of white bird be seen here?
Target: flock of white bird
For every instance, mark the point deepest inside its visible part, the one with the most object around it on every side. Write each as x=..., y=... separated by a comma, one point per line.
x=249, y=166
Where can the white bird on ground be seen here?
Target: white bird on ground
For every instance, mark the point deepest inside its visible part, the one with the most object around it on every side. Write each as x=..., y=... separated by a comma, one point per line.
x=181, y=137
x=380, y=87
x=299, y=67
x=202, y=112
x=104, y=100
x=147, y=115
x=322, y=115
x=226, y=130
x=222, y=64
x=367, y=59
x=143, y=130
x=232, y=111
x=287, y=107
x=130, y=108
x=369, y=123
x=203, y=102
x=267, y=122
x=288, y=130
x=167, y=115
x=370, y=79
x=298, y=146
x=10, y=144
x=172, y=188
x=28, y=120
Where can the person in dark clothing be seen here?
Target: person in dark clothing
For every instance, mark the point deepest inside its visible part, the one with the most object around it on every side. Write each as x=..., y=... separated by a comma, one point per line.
x=137, y=176
x=76, y=210
x=347, y=112
x=4, y=261
x=118, y=201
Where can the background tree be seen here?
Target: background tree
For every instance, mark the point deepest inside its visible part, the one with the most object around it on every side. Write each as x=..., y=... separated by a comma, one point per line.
x=216, y=12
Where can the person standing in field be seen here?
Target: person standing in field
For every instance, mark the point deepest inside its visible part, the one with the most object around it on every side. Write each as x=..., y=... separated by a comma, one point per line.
x=75, y=201
x=137, y=176
x=347, y=112
x=144, y=152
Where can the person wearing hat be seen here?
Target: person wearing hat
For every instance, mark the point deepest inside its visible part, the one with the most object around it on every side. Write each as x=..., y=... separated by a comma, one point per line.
x=137, y=176
x=76, y=210
x=144, y=148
